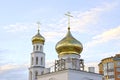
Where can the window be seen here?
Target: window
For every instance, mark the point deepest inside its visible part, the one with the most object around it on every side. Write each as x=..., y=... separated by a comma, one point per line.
x=40, y=48
x=36, y=60
x=111, y=77
x=37, y=47
x=105, y=68
x=118, y=69
x=41, y=60
x=36, y=74
x=33, y=48
x=32, y=60
x=118, y=63
x=118, y=76
x=110, y=65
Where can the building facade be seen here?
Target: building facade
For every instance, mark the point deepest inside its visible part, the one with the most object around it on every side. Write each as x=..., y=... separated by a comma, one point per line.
x=110, y=67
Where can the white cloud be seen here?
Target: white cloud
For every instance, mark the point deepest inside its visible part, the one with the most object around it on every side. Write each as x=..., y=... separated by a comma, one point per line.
x=50, y=64
x=111, y=34
x=13, y=72
x=51, y=36
x=9, y=67
x=19, y=27
x=83, y=19
x=79, y=22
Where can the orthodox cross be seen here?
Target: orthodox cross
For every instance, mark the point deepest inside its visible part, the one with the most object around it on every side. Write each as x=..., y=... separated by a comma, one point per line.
x=69, y=15
x=38, y=26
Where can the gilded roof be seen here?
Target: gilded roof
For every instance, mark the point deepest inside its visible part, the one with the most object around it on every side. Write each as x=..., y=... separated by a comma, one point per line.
x=69, y=45
x=38, y=38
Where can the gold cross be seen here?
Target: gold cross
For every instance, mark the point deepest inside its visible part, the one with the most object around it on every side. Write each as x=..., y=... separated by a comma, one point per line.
x=68, y=14
x=38, y=26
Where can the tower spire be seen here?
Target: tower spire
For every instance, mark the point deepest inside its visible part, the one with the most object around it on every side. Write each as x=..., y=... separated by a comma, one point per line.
x=69, y=15
x=38, y=26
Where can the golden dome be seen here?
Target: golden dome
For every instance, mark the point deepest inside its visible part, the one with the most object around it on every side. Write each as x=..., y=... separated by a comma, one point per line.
x=38, y=38
x=69, y=45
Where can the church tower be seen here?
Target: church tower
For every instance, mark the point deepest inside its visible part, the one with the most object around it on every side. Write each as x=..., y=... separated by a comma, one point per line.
x=37, y=56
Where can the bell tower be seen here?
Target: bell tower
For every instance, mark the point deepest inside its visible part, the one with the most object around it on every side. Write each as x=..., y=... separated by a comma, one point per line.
x=37, y=56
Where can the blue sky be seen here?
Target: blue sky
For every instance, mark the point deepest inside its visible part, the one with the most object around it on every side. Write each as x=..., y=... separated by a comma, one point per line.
x=95, y=24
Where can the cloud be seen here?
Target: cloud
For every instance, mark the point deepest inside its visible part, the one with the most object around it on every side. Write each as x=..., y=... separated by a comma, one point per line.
x=50, y=63
x=82, y=21
x=51, y=36
x=78, y=23
x=111, y=34
x=19, y=27
x=9, y=67
x=14, y=72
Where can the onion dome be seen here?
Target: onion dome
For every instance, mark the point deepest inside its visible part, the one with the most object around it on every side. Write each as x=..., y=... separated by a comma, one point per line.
x=69, y=45
x=38, y=38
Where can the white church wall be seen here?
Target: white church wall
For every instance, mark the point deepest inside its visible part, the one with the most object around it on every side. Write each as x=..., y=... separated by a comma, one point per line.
x=69, y=56
x=60, y=75
x=39, y=55
x=70, y=75
x=81, y=75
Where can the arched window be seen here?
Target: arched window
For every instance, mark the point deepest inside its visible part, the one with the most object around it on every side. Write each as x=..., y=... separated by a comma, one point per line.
x=37, y=47
x=41, y=60
x=36, y=74
x=33, y=48
x=40, y=48
x=36, y=60
x=32, y=60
